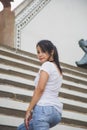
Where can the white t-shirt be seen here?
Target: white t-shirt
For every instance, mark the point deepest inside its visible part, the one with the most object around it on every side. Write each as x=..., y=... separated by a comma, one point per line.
x=51, y=92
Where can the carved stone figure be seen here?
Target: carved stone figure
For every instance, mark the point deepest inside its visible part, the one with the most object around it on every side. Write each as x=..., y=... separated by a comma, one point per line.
x=83, y=61
x=6, y=3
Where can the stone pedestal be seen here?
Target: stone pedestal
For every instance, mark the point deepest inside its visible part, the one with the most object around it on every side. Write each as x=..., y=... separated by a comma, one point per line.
x=7, y=19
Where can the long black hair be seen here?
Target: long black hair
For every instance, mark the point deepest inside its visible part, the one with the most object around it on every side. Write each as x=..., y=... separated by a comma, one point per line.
x=48, y=46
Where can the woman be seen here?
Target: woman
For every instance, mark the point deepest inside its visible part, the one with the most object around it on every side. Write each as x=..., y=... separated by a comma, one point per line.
x=45, y=104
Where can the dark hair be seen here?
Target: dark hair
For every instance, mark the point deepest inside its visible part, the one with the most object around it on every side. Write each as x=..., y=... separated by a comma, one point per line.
x=47, y=46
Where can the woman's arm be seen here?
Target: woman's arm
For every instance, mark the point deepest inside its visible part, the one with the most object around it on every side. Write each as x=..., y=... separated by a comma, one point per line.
x=39, y=89
x=37, y=94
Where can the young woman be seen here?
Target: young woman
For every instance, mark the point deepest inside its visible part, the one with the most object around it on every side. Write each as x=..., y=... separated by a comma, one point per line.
x=45, y=104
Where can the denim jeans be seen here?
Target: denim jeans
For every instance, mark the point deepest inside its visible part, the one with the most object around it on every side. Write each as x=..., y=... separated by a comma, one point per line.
x=43, y=118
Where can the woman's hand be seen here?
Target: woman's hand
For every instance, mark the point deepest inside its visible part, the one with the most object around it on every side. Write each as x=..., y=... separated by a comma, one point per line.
x=28, y=117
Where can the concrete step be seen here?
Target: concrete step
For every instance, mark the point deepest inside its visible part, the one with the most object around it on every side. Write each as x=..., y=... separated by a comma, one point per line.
x=69, y=69
x=16, y=79
x=18, y=57
x=74, y=118
x=9, y=106
x=73, y=79
x=12, y=64
x=24, y=95
x=73, y=105
x=11, y=121
x=74, y=68
x=18, y=121
x=32, y=76
x=72, y=94
x=64, y=126
x=33, y=69
x=76, y=76
x=7, y=50
x=74, y=73
x=29, y=71
x=17, y=72
x=28, y=54
x=12, y=61
x=69, y=85
x=79, y=88
x=20, y=94
x=16, y=84
x=64, y=92
x=25, y=54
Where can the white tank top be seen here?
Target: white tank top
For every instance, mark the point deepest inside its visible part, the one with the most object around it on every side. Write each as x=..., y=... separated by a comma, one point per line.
x=51, y=92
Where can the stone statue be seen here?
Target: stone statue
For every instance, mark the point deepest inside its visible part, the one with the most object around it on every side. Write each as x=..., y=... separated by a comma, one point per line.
x=83, y=61
x=6, y=3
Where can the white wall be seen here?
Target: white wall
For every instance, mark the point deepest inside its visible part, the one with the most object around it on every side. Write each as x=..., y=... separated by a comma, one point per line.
x=64, y=22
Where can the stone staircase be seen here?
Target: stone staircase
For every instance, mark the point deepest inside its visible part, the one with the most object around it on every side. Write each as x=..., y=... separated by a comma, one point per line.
x=17, y=72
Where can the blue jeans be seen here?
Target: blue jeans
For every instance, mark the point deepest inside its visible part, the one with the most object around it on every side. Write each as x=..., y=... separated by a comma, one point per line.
x=43, y=118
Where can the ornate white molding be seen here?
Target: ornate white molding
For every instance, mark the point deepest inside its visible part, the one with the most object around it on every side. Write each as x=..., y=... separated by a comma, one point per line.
x=26, y=16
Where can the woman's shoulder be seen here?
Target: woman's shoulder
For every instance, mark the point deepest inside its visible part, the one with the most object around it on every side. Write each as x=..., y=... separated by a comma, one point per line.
x=47, y=64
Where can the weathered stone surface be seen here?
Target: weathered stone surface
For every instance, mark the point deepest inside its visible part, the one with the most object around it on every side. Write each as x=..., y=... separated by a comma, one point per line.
x=7, y=27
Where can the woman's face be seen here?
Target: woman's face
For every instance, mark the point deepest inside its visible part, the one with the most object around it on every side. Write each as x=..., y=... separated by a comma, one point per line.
x=42, y=56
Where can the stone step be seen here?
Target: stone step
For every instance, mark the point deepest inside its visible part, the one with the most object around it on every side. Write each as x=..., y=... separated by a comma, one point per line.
x=16, y=84
x=17, y=72
x=69, y=73
x=71, y=83
x=31, y=70
x=34, y=69
x=16, y=93
x=71, y=117
x=16, y=79
x=28, y=54
x=19, y=57
x=74, y=68
x=71, y=94
x=73, y=79
x=64, y=126
x=24, y=95
x=16, y=51
x=32, y=76
x=66, y=84
x=73, y=105
x=57, y=127
x=20, y=70
x=65, y=93
x=75, y=87
x=9, y=122
x=14, y=107
x=18, y=65
x=78, y=76
x=77, y=119
x=74, y=73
